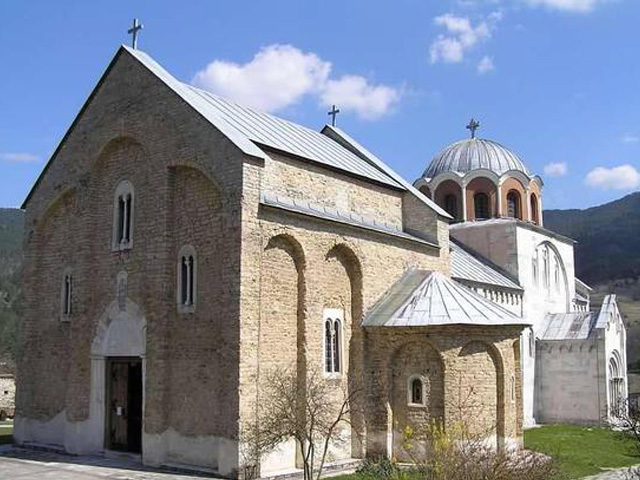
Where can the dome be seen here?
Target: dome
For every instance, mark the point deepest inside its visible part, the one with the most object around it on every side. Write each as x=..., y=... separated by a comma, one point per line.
x=473, y=154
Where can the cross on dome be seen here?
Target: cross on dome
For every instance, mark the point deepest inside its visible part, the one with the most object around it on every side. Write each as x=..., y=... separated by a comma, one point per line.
x=473, y=126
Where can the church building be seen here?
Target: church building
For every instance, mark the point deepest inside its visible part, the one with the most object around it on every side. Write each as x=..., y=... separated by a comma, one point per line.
x=180, y=246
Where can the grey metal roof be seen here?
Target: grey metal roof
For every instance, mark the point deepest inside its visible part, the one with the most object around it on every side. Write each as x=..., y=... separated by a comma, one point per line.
x=316, y=210
x=608, y=311
x=473, y=154
x=245, y=124
x=422, y=298
x=291, y=138
x=344, y=139
x=469, y=266
x=567, y=326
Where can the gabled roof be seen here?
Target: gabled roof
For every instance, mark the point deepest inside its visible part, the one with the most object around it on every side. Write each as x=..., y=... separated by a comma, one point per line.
x=567, y=326
x=253, y=131
x=608, y=311
x=422, y=298
x=468, y=266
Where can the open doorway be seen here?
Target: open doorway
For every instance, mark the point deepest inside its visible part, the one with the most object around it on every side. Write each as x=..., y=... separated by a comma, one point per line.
x=124, y=404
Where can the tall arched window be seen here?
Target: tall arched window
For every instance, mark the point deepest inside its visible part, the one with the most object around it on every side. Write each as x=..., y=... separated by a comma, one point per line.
x=415, y=391
x=616, y=385
x=333, y=322
x=123, y=210
x=545, y=268
x=533, y=200
x=535, y=267
x=187, y=279
x=513, y=205
x=481, y=206
x=451, y=205
x=556, y=274
x=66, y=295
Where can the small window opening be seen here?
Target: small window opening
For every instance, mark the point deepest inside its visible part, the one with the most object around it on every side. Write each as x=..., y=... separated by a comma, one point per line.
x=187, y=274
x=417, y=396
x=481, y=206
x=333, y=342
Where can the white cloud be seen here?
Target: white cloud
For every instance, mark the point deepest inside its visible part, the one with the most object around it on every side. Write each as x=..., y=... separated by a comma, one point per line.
x=280, y=76
x=630, y=138
x=486, y=65
x=461, y=35
x=19, y=157
x=623, y=177
x=556, y=169
x=573, y=6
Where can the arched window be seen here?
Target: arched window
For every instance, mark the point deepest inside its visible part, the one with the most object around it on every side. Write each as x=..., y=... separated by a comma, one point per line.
x=333, y=320
x=415, y=393
x=481, y=205
x=533, y=200
x=556, y=273
x=545, y=268
x=66, y=295
x=451, y=205
x=616, y=386
x=187, y=279
x=513, y=205
x=535, y=267
x=123, y=210
x=532, y=343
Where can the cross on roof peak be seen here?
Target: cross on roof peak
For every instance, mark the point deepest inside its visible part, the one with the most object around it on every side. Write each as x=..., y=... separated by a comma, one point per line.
x=473, y=126
x=134, y=32
x=334, y=111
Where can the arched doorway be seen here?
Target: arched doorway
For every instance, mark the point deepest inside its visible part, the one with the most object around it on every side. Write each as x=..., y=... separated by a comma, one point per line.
x=616, y=385
x=118, y=373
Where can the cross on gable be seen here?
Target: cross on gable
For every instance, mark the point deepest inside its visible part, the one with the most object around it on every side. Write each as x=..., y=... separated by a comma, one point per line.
x=134, y=32
x=334, y=111
x=473, y=126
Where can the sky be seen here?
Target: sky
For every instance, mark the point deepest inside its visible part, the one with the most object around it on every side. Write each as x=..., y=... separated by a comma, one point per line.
x=556, y=81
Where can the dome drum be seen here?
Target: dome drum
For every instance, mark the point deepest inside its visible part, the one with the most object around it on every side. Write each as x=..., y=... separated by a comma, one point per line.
x=476, y=179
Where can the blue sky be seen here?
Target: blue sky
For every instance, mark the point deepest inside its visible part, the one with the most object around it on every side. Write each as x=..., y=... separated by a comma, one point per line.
x=557, y=81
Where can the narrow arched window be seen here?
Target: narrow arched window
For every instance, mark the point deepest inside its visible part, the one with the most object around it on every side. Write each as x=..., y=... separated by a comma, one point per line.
x=513, y=205
x=451, y=205
x=545, y=268
x=123, y=210
x=66, y=295
x=535, y=218
x=187, y=279
x=535, y=268
x=333, y=320
x=556, y=274
x=481, y=206
x=416, y=393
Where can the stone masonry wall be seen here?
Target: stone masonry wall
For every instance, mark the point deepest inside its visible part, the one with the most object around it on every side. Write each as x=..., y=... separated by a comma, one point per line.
x=185, y=175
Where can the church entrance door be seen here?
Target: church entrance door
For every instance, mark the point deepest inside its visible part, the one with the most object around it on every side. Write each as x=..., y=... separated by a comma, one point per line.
x=124, y=405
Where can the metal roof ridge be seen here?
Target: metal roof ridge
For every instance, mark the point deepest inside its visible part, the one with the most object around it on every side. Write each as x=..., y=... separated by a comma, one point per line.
x=351, y=144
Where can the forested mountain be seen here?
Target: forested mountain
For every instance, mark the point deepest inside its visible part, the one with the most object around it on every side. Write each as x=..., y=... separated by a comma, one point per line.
x=608, y=238
x=11, y=227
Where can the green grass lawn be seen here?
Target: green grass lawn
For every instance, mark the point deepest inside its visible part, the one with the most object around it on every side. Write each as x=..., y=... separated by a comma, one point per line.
x=6, y=429
x=582, y=451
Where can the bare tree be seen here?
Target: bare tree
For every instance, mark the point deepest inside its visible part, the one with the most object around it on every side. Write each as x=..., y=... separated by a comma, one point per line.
x=311, y=412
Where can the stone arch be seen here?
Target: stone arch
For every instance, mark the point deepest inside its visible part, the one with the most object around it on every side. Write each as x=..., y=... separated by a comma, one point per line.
x=514, y=204
x=415, y=359
x=344, y=257
x=477, y=187
x=448, y=195
x=563, y=271
x=481, y=391
x=512, y=188
x=534, y=208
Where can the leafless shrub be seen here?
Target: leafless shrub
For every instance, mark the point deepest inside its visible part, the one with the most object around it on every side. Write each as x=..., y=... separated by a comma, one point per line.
x=311, y=412
x=457, y=455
